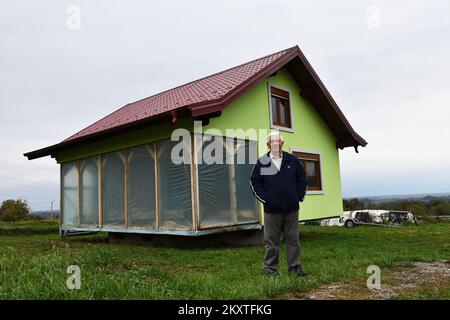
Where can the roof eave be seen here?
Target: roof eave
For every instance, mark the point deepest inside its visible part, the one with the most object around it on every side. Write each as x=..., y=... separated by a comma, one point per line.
x=169, y=116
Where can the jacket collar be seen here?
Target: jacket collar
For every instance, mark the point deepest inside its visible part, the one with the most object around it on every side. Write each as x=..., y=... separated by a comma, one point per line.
x=284, y=158
x=271, y=155
x=284, y=155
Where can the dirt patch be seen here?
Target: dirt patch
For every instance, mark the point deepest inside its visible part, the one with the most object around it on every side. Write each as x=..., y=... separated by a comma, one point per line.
x=421, y=276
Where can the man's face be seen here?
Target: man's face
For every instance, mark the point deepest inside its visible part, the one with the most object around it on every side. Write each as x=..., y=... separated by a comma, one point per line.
x=275, y=144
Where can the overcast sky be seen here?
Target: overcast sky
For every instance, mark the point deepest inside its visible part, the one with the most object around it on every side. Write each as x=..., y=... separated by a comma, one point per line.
x=384, y=62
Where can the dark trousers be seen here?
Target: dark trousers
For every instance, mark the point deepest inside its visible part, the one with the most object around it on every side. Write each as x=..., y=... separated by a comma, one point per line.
x=275, y=225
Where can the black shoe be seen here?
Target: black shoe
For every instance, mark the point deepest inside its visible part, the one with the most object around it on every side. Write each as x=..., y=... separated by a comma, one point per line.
x=297, y=270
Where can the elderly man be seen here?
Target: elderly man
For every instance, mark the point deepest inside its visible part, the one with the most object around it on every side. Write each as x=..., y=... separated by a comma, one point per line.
x=279, y=181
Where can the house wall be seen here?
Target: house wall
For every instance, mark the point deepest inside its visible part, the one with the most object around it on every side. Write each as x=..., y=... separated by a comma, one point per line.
x=310, y=133
x=251, y=110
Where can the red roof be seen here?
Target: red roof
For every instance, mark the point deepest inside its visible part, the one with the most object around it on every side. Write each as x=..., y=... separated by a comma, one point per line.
x=200, y=91
x=215, y=92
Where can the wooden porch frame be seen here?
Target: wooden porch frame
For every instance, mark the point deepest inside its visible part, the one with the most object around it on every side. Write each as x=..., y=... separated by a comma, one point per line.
x=195, y=201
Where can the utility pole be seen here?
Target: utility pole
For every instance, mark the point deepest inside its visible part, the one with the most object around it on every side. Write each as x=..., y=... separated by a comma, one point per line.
x=51, y=211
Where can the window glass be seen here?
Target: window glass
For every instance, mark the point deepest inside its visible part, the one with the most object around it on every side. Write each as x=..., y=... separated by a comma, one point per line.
x=274, y=110
x=283, y=111
x=311, y=174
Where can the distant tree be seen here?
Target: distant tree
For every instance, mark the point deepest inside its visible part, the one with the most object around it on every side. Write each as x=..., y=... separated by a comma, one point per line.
x=14, y=210
x=436, y=206
x=441, y=209
x=353, y=204
x=35, y=217
x=416, y=209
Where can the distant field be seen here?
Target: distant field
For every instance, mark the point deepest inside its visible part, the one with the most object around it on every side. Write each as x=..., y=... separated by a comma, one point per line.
x=34, y=260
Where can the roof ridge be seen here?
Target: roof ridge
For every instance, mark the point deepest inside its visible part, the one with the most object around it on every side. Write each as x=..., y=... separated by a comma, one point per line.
x=211, y=75
x=235, y=67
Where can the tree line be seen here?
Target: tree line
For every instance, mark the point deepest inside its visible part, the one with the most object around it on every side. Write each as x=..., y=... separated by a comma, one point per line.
x=421, y=207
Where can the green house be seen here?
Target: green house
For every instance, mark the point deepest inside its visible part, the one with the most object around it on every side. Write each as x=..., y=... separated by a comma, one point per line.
x=120, y=174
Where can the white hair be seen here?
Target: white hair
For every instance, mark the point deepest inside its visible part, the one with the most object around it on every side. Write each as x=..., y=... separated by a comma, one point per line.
x=274, y=133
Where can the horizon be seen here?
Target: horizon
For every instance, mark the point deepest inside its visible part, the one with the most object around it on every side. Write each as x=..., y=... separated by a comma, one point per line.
x=344, y=198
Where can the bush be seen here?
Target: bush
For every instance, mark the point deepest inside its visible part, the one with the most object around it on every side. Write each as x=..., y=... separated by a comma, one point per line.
x=442, y=209
x=35, y=217
x=14, y=210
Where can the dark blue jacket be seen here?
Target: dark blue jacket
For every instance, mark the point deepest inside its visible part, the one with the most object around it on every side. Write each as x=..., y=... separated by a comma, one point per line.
x=279, y=191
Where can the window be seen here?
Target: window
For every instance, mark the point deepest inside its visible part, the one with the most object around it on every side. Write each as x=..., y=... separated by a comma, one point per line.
x=280, y=107
x=311, y=164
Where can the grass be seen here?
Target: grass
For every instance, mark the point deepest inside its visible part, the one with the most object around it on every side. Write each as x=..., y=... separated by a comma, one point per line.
x=34, y=260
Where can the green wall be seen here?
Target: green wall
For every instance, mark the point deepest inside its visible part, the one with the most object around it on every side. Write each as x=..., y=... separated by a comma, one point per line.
x=252, y=111
x=310, y=133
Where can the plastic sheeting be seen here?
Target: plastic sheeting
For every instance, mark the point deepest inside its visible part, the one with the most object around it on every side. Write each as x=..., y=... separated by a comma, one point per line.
x=224, y=171
x=174, y=187
x=113, y=186
x=224, y=193
x=70, y=193
x=141, y=187
x=214, y=184
x=89, y=214
x=246, y=203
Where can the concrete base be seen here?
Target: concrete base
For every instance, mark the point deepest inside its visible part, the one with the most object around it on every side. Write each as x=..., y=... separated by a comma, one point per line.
x=223, y=239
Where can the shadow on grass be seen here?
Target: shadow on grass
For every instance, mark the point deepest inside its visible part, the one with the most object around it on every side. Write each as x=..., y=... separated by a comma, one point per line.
x=86, y=239
x=28, y=231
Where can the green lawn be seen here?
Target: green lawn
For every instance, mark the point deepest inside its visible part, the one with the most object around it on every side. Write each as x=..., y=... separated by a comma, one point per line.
x=34, y=260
